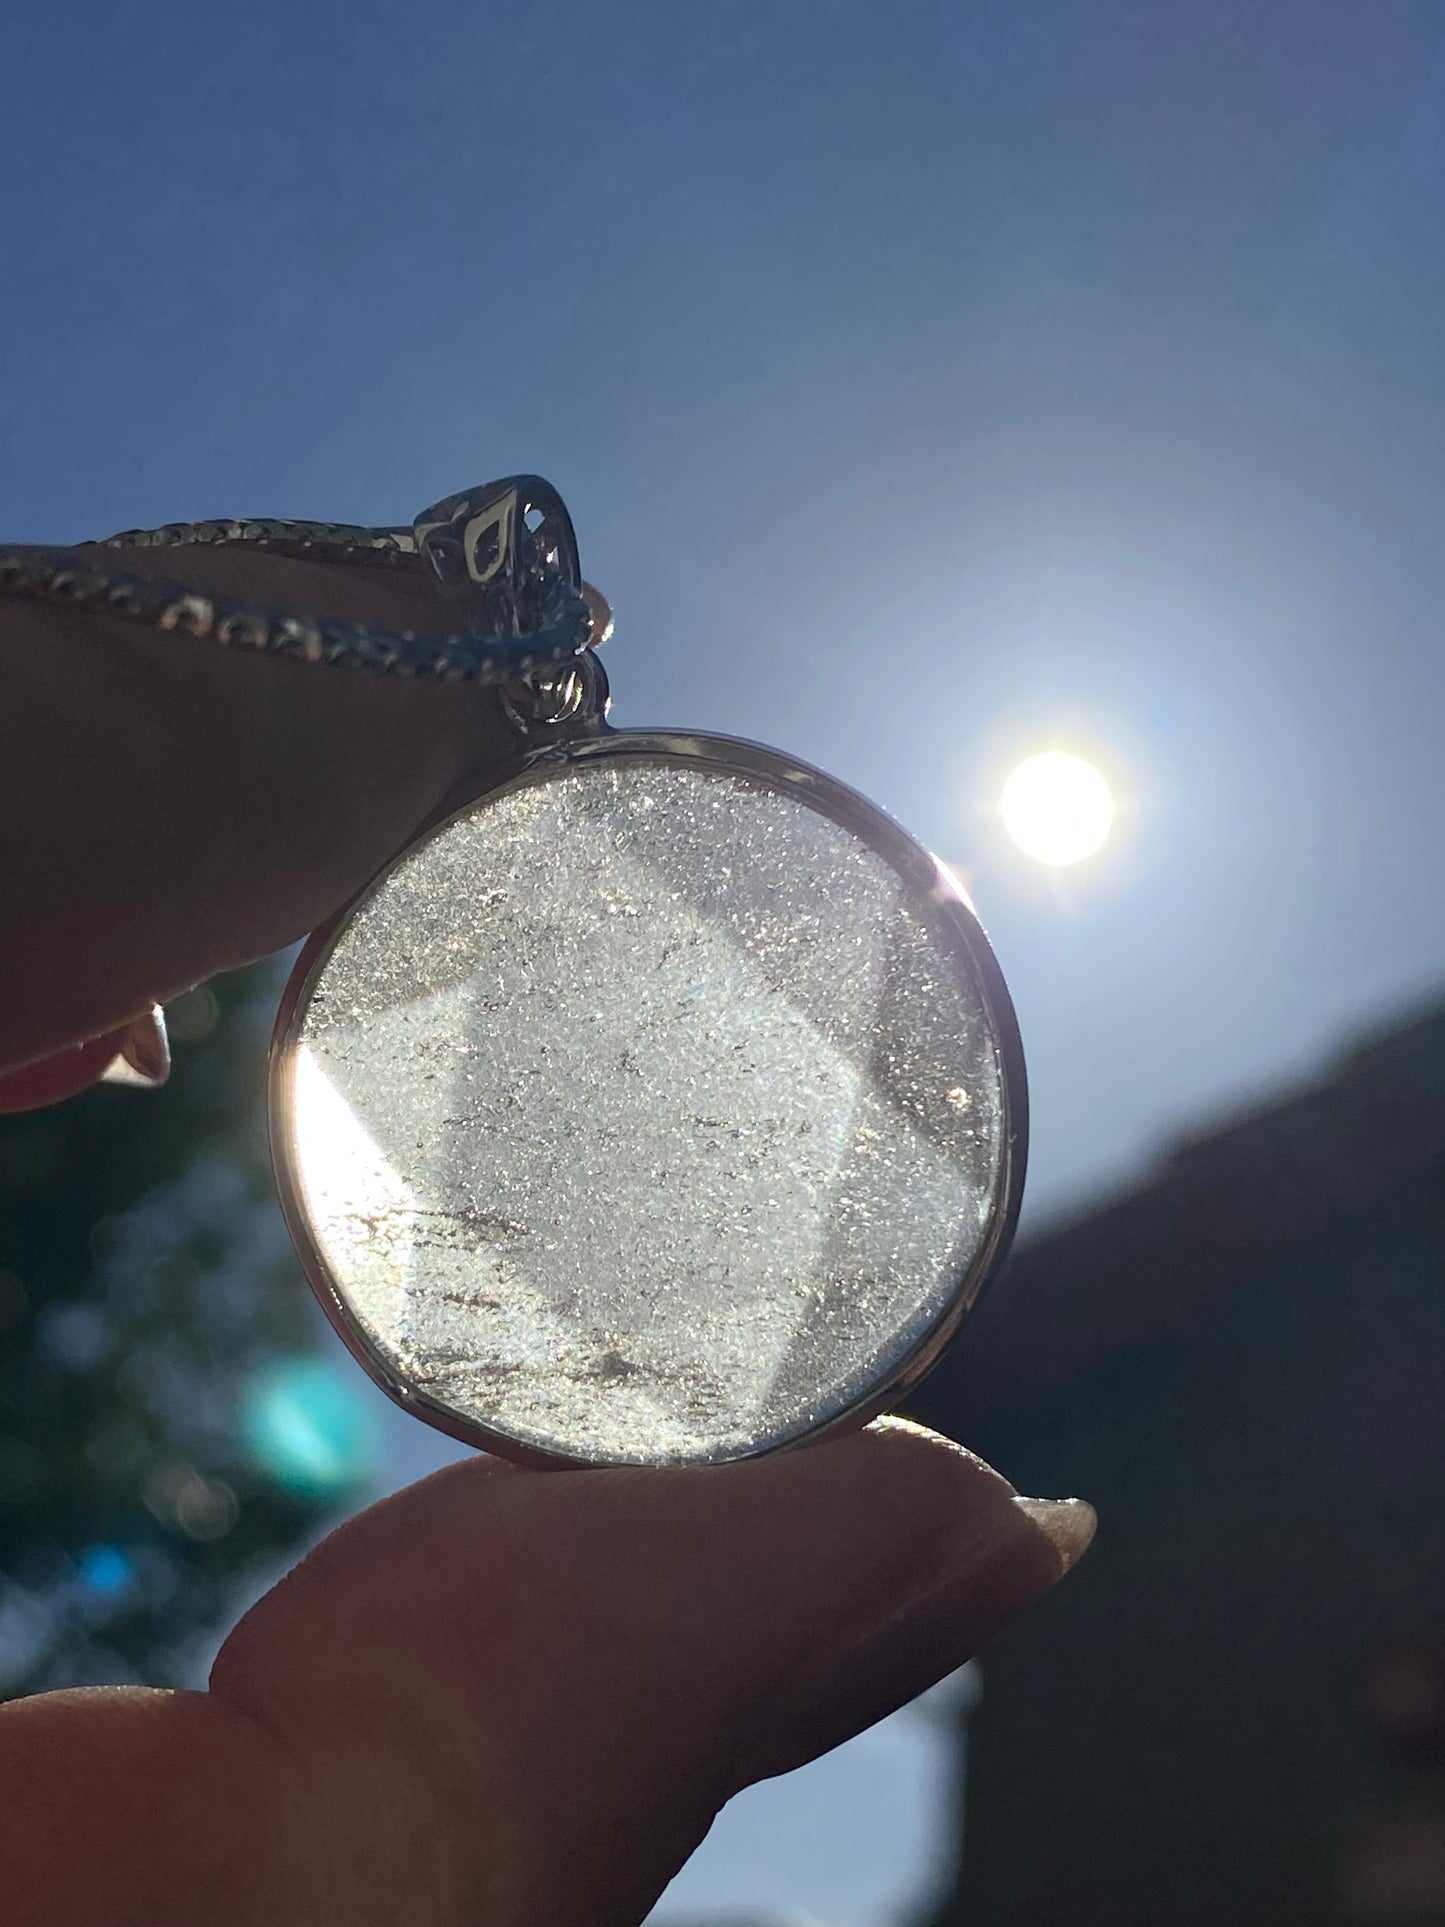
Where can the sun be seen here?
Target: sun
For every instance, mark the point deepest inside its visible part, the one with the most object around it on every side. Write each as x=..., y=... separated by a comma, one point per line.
x=1057, y=808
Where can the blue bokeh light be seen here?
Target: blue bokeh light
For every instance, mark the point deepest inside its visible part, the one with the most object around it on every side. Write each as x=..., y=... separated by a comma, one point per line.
x=310, y=1428
x=105, y=1571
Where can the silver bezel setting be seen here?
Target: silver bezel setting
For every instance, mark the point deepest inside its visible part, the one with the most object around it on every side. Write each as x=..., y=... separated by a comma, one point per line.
x=956, y=924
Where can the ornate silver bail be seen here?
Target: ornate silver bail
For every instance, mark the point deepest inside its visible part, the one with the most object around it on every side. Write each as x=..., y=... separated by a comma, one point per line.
x=508, y=548
x=508, y=552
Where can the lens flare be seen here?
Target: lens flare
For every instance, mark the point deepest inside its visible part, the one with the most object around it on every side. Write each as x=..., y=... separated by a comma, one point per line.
x=309, y=1428
x=1057, y=808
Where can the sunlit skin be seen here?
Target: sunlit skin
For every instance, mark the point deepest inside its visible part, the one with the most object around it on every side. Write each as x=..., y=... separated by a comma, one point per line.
x=1057, y=808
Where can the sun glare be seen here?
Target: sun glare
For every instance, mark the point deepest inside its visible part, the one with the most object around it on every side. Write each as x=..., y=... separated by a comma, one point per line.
x=1057, y=808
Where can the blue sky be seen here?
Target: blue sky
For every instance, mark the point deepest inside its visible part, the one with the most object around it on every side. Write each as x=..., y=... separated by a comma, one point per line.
x=928, y=383
x=925, y=382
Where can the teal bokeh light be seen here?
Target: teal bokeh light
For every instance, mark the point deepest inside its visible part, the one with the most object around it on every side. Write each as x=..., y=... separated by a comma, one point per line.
x=310, y=1427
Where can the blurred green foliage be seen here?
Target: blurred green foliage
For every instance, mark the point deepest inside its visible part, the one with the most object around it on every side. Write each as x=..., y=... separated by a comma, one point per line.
x=150, y=1308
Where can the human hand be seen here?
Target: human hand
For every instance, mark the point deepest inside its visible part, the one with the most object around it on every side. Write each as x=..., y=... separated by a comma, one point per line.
x=501, y=1696
x=170, y=808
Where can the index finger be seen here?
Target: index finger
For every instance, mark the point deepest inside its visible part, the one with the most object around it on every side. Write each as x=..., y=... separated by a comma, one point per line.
x=170, y=808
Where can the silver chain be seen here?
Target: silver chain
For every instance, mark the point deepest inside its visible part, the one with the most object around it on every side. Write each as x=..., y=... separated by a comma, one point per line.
x=505, y=555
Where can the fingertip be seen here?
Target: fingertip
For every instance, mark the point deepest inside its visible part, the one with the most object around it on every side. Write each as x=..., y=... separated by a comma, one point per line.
x=1069, y=1525
x=60, y=1074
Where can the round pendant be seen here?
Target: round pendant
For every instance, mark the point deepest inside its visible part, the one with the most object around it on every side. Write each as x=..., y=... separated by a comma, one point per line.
x=663, y=1105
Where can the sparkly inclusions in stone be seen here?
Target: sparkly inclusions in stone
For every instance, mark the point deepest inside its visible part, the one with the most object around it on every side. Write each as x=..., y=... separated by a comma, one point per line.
x=646, y=1113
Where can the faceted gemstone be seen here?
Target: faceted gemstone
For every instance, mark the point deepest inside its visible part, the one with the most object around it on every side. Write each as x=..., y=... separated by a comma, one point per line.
x=646, y=1113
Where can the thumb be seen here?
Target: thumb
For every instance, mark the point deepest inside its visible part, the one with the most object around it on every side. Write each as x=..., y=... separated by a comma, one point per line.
x=567, y=1674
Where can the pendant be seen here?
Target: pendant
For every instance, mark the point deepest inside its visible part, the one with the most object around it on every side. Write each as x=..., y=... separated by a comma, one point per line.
x=664, y=1104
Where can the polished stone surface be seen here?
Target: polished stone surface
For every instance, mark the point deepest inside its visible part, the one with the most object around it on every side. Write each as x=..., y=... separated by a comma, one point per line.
x=643, y=1115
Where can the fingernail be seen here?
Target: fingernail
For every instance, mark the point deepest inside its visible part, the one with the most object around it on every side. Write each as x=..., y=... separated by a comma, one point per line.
x=1069, y=1526
x=999, y=1555
x=144, y=1058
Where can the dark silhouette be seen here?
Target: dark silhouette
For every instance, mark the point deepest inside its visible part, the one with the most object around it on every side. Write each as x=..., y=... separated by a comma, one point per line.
x=1235, y=1712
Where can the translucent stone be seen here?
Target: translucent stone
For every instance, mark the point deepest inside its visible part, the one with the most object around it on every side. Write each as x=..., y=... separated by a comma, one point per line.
x=646, y=1114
